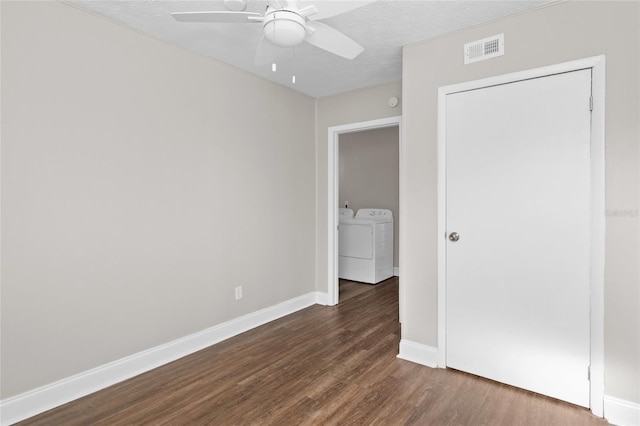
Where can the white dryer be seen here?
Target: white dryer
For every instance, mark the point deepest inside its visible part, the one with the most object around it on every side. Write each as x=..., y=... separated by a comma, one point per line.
x=365, y=245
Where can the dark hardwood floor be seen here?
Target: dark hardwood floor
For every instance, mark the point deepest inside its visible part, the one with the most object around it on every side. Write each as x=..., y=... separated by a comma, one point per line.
x=319, y=366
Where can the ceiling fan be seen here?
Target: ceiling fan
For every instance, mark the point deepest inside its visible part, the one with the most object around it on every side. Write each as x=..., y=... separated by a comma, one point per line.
x=287, y=23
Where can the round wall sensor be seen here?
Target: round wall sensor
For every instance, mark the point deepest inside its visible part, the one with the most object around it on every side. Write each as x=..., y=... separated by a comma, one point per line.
x=393, y=102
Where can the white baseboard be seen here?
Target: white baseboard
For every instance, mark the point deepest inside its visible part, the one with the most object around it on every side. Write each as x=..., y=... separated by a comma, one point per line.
x=396, y=271
x=36, y=401
x=620, y=412
x=322, y=298
x=418, y=353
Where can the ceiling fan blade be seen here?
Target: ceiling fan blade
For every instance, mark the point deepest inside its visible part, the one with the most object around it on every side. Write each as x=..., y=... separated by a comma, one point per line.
x=332, y=40
x=217, y=17
x=329, y=8
x=307, y=11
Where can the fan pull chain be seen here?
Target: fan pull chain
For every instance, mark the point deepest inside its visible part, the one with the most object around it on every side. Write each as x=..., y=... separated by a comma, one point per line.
x=293, y=65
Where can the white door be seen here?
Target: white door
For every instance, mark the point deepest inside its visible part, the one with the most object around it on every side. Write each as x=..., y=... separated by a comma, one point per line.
x=518, y=197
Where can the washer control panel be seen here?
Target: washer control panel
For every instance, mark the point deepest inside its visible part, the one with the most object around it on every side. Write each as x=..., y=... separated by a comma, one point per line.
x=374, y=213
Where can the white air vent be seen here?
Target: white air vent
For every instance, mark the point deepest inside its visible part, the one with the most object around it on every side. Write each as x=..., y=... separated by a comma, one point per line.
x=486, y=48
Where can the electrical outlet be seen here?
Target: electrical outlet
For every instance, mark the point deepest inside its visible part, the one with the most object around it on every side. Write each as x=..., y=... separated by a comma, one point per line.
x=238, y=292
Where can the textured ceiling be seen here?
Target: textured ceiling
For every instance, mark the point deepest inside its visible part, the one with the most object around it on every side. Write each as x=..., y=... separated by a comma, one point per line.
x=382, y=27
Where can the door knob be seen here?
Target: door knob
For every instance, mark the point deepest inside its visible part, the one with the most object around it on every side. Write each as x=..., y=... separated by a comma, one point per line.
x=454, y=236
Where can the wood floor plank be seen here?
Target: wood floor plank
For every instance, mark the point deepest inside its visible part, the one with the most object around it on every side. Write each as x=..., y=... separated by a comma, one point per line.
x=319, y=366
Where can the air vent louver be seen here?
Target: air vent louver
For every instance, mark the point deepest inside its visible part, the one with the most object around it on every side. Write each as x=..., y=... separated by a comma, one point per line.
x=486, y=48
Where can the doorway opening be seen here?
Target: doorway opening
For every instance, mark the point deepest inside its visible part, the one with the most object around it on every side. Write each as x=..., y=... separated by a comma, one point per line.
x=333, y=202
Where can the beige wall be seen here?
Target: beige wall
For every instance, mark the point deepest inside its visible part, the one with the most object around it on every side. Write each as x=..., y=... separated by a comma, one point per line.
x=345, y=108
x=555, y=34
x=369, y=173
x=140, y=184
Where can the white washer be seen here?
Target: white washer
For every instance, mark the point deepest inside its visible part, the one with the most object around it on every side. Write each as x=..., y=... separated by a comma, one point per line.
x=366, y=245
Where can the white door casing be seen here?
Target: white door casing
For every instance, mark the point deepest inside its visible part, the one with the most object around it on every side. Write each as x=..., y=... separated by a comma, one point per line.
x=497, y=217
x=334, y=133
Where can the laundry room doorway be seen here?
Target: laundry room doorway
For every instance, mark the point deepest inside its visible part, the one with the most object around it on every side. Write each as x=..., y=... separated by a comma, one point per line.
x=364, y=172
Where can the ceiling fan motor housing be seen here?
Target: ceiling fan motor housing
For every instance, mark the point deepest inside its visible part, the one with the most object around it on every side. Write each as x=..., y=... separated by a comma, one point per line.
x=284, y=27
x=235, y=5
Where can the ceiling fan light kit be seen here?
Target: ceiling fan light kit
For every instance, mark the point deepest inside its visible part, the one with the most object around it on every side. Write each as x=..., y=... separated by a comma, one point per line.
x=284, y=28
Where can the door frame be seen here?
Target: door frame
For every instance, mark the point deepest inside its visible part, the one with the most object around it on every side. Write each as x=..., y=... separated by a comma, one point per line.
x=596, y=285
x=333, y=177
